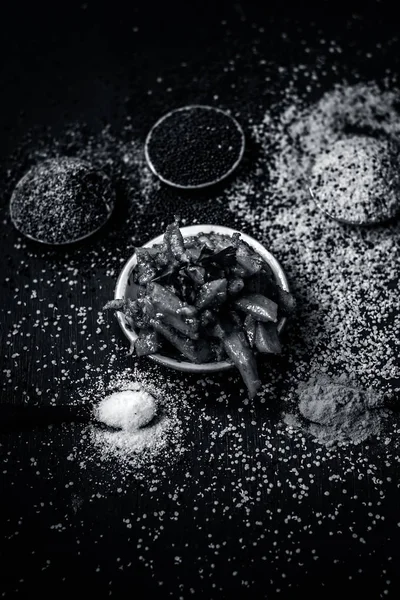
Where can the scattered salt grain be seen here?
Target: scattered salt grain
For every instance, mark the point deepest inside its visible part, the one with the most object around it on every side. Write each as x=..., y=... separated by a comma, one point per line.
x=247, y=470
x=345, y=280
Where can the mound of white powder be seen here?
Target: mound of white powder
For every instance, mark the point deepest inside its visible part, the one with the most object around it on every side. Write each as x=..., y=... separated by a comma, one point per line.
x=144, y=424
x=128, y=409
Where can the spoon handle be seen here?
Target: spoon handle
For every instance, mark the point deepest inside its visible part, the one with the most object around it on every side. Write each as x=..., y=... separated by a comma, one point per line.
x=19, y=417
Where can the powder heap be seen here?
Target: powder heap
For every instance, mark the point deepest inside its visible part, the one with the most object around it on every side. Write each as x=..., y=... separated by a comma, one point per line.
x=336, y=411
x=194, y=146
x=61, y=200
x=128, y=410
x=133, y=446
x=357, y=180
x=150, y=428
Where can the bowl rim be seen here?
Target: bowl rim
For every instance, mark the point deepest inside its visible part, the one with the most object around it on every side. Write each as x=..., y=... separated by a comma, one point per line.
x=198, y=186
x=109, y=203
x=192, y=230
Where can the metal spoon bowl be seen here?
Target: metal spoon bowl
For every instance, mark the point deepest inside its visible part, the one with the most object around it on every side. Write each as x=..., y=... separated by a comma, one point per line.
x=108, y=204
x=368, y=223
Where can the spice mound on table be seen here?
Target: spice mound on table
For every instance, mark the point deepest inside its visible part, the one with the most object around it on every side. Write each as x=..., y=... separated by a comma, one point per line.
x=336, y=411
x=61, y=200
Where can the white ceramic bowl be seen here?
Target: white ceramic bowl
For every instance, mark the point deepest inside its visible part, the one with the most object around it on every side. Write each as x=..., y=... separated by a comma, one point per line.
x=124, y=290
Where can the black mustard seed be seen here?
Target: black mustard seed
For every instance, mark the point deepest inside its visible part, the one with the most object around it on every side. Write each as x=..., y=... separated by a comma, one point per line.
x=194, y=146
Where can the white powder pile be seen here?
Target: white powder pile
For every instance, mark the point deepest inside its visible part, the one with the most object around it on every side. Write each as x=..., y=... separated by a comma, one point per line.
x=128, y=410
x=148, y=424
x=134, y=446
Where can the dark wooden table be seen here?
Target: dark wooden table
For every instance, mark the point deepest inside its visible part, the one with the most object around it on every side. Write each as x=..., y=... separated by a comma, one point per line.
x=212, y=529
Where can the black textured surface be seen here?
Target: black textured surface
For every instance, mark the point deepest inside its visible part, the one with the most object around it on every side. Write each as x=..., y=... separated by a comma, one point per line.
x=95, y=64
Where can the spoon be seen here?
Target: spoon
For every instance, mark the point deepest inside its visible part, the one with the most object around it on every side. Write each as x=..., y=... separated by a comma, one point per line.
x=330, y=215
x=20, y=417
x=61, y=201
x=361, y=223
